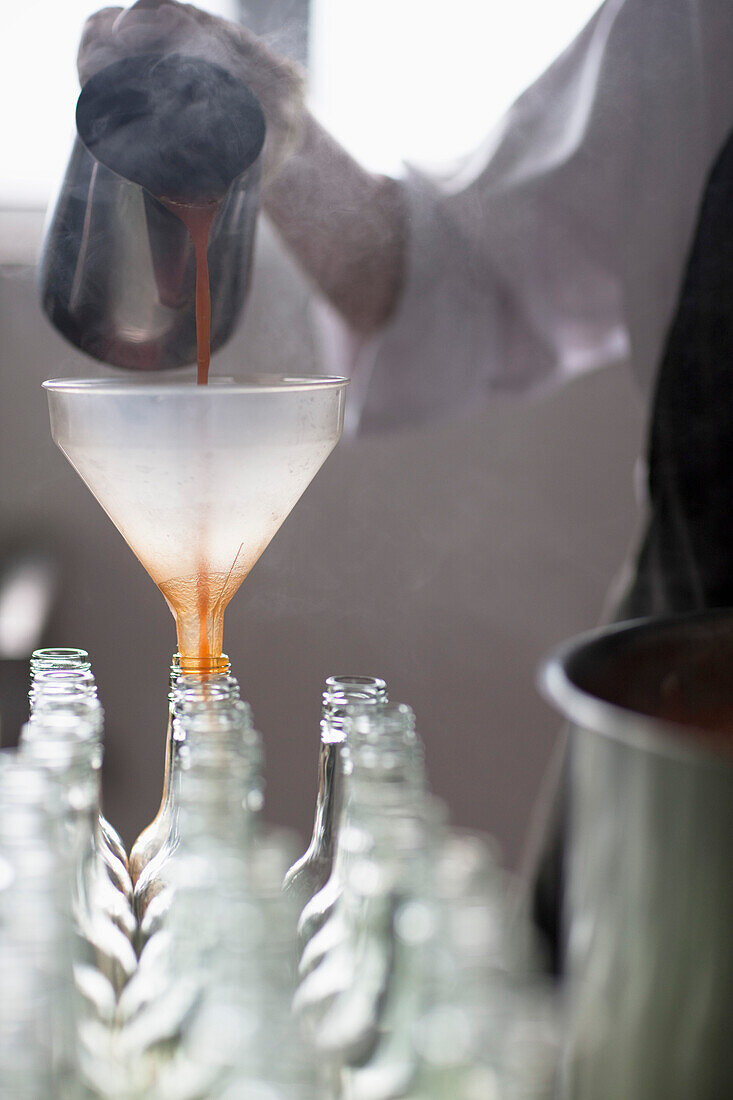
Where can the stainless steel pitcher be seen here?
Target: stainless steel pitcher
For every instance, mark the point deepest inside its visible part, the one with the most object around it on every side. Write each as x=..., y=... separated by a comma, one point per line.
x=649, y=899
x=117, y=270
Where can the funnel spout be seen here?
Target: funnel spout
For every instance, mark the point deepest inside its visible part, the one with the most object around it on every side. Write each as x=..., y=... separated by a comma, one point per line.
x=198, y=604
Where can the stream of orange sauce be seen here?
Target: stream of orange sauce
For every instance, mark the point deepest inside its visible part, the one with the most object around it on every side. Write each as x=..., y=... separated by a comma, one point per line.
x=198, y=219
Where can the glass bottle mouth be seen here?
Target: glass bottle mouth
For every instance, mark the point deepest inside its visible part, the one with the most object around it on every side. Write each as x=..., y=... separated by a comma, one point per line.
x=341, y=695
x=60, y=658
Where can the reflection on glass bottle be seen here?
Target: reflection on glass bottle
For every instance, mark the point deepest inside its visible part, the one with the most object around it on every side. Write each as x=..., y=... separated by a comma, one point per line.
x=154, y=835
x=310, y=873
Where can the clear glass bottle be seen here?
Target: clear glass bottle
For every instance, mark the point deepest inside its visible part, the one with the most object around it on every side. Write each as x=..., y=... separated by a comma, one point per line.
x=390, y=840
x=381, y=752
x=73, y=660
x=273, y=1059
x=196, y=702
x=231, y=928
x=67, y=747
x=367, y=1028
x=217, y=831
x=311, y=872
x=432, y=1024
x=154, y=836
x=485, y=1022
x=55, y=709
x=204, y=874
x=38, y=1005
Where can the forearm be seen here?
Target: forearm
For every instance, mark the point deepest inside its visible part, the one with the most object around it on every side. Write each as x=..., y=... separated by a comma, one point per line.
x=345, y=226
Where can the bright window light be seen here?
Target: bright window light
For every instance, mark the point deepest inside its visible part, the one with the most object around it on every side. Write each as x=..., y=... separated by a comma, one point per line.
x=423, y=81
x=38, y=91
x=394, y=80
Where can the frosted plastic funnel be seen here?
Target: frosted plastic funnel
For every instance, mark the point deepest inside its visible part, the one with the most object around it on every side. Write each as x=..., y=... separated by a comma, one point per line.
x=197, y=479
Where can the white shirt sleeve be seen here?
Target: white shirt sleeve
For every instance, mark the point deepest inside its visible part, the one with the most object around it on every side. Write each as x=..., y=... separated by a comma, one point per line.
x=559, y=247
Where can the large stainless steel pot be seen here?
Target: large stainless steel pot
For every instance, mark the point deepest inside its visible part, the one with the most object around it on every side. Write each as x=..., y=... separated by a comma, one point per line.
x=649, y=898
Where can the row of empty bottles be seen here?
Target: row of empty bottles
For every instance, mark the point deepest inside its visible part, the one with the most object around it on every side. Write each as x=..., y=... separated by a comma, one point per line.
x=389, y=961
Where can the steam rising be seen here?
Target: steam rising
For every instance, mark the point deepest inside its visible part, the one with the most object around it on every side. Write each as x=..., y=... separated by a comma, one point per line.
x=181, y=127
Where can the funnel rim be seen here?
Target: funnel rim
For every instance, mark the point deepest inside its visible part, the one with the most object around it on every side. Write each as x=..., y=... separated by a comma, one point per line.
x=225, y=387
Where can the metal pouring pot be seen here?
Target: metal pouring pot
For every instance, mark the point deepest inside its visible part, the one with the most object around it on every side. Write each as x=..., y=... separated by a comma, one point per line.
x=117, y=271
x=649, y=894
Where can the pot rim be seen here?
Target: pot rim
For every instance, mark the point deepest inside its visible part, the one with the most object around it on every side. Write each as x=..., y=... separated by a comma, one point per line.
x=557, y=684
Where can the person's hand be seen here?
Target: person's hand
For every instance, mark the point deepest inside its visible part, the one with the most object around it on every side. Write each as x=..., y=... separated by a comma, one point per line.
x=165, y=27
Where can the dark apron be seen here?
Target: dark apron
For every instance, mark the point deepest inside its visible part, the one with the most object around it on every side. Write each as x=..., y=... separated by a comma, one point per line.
x=686, y=557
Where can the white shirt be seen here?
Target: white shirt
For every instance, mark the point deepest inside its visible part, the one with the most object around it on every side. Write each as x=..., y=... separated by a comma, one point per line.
x=558, y=248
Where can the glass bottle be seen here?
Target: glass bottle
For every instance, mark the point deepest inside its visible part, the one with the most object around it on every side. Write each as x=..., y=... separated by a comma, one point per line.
x=154, y=835
x=57, y=709
x=389, y=842
x=217, y=830
x=367, y=1028
x=232, y=929
x=213, y=698
x=310, y=873
x=223, y=727
x=67, y=747
x=38, y=1006
x=381, y=752
x=204, y=873
x=255, y=982
x=486, y=1022
x=65, y=659
x=447, y=947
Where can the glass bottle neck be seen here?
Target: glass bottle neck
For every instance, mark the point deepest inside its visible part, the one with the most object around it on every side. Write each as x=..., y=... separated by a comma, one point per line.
x=69, y=681
x=340, y=695
x=190, y=685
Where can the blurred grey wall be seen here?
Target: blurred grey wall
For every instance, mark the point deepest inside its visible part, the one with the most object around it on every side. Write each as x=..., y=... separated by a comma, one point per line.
x=447, y=560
